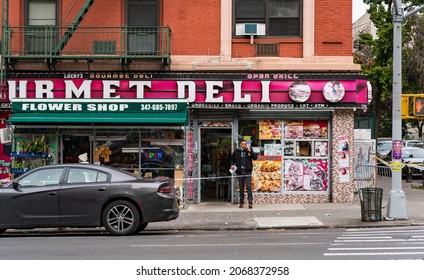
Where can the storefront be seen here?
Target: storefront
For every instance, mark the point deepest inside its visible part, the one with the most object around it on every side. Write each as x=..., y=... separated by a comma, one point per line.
x=298, y=123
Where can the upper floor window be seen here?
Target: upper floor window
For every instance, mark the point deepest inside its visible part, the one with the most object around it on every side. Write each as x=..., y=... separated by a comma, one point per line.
x=281, y=17
x=41, y=12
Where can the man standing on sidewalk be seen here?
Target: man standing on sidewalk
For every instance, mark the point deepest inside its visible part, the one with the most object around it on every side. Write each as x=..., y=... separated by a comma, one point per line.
x=242, y=158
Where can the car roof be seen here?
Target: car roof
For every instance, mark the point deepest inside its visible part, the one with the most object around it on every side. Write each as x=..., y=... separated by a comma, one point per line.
x=115, y=172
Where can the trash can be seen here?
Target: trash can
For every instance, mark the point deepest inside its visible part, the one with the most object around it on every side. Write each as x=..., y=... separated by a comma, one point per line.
x=371, y=199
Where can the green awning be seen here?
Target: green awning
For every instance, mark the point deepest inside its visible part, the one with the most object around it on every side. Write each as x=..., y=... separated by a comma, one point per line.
x=99, y=111
x=133, y=118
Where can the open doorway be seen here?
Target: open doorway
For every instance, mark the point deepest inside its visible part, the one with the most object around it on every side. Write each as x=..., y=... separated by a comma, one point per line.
x=215, y=153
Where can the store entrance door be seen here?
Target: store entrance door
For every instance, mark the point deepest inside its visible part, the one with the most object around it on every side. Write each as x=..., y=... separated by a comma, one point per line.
x=214, y=164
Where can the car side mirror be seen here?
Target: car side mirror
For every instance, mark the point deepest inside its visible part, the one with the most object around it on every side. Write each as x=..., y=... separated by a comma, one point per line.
x=16, y=186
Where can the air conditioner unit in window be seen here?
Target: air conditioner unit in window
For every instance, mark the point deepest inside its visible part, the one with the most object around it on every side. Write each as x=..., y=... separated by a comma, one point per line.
x=250, y=29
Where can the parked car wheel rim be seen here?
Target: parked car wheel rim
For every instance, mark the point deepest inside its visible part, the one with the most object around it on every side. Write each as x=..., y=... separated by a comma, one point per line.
x=121, y=218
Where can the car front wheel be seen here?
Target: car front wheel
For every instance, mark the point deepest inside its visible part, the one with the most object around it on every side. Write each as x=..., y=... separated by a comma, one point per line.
x=121, y=218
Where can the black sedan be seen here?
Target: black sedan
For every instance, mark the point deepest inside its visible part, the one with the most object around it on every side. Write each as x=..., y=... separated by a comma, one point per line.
x=413, y=158
x=84, y=195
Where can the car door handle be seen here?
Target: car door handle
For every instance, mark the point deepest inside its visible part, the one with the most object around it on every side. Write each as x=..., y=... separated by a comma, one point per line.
x=101, y=189
x=52, y=194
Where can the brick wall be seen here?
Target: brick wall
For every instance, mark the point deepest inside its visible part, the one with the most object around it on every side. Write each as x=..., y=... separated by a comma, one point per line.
x=101, y=13
x=195, y=26
x=333, y=27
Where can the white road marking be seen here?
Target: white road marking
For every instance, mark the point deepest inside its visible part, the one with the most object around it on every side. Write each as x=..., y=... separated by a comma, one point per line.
x=375, y=254
x=408, y=243
x=222, y=245
x=375, y=248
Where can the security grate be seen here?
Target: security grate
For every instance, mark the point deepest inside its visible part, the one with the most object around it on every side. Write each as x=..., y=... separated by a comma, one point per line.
x=267, y=49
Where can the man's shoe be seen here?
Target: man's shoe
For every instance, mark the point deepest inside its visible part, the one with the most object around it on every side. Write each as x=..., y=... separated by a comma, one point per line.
x=241, y=205
x=250, y=205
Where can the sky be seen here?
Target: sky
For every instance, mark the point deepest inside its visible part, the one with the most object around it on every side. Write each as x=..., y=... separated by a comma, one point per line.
x=359, y=8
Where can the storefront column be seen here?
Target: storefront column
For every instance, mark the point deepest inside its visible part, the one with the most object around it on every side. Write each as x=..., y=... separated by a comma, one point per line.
x=343, y=128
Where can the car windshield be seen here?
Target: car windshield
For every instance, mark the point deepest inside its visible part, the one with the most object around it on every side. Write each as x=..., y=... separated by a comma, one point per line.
x=416, y=153
x=384, y=146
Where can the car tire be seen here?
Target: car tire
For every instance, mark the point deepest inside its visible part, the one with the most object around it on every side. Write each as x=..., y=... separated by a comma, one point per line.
x=121, y=218
x=142, y=227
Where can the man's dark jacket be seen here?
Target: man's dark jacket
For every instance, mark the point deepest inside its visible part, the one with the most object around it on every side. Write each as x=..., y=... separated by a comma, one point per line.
x=237, y=160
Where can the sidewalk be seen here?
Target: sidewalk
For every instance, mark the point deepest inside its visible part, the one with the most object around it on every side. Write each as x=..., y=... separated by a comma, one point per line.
x=226, y=216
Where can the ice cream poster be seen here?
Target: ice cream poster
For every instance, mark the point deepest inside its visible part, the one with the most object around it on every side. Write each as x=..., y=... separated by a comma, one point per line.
x=306, y=175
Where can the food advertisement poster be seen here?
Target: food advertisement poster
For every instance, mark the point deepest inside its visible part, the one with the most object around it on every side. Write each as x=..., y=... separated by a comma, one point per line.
x=270, y=130
x=315, y=129
x=293, y=129
x=305, y=129
x=266, y=175
x=306, y=175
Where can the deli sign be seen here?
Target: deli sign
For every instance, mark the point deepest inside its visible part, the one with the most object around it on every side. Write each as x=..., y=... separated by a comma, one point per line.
x=195, y=91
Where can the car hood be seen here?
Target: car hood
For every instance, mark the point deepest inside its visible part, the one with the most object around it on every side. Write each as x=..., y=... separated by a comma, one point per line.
x=413, y=160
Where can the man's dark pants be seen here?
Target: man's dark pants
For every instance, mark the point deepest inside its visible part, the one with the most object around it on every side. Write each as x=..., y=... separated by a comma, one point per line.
x=245, y=179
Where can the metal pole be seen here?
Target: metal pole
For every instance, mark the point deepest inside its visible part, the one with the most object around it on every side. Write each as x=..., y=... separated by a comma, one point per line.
x=396, y=208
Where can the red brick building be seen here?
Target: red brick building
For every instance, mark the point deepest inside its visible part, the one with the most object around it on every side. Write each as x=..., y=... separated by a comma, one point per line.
x=169, y=87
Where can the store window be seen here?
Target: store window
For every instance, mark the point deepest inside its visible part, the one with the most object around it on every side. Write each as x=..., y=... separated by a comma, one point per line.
x=292, y=155
x=149, y=152
x=281, y=17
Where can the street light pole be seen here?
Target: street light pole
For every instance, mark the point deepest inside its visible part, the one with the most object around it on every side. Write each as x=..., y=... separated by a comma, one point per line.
x=396, y=208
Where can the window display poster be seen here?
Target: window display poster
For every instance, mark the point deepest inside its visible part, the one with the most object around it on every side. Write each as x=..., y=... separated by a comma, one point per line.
x=272, y=149
x=306, y=175
x=269, y=130
x=293, y=129
x=266, y=175
x=315, y=129
x=321, y=149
